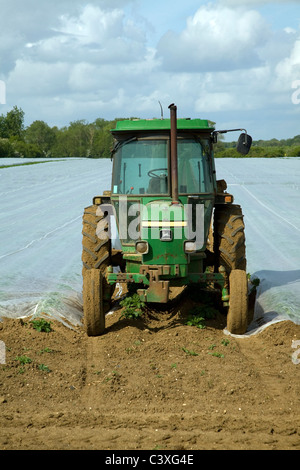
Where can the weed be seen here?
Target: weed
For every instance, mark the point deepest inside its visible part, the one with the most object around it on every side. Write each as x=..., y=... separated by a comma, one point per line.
x=225, y=342
x=23, y=360
x=44, y=368
x=200, y=313
x=196, y=320
x=133, y=307
x=46, y=350
x=114, y=374
x=190, y=353
x=255, y=282
x=217, y=354
x=41, y=325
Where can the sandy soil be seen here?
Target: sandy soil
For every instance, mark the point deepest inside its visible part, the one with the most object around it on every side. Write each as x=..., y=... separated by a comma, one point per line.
x=150, y=384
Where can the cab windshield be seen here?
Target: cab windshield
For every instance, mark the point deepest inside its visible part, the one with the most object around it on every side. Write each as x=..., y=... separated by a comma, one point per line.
x=142, y=167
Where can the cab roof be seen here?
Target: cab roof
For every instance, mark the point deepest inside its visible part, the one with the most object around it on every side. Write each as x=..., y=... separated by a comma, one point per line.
x=138, y=125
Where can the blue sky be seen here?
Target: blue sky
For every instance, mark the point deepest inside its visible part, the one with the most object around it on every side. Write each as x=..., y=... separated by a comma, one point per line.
x=235, y=62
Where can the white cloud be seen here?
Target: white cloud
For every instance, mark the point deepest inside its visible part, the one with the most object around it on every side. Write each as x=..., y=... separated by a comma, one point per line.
x=96, y=35
x=69, y=60
x=254, y=3
x=215, y=39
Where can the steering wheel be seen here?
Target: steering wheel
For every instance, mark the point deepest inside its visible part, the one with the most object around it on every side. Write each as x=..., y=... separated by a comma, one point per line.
x=152, y=173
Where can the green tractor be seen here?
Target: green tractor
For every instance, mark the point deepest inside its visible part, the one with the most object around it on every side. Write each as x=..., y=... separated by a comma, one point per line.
x=176, y=224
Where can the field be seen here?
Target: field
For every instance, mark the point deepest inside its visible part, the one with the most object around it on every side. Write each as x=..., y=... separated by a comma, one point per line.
x=154, y=383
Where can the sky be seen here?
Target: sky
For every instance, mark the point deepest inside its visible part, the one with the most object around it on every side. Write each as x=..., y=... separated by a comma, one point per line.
x=234, y=62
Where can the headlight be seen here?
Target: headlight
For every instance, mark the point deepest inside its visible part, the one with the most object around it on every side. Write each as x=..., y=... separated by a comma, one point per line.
x=166, y=235
x=142, y=247
x=190, y=247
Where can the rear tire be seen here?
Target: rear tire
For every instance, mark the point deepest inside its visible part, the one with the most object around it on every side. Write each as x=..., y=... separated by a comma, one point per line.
x=237, y=317
x=229, y=237
x=93, y=311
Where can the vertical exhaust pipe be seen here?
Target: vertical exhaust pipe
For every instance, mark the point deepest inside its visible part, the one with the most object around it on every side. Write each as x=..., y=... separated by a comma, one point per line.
x=174, y=166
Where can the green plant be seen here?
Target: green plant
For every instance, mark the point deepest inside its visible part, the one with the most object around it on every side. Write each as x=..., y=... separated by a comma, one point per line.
x=45, y=350
x=196, y=320
x=133, y=307
x=41, y=325
x=200, y=313
x=217, y=354
x=23, y=360
x=255, y=282
x=190, y=353
x=44, y=368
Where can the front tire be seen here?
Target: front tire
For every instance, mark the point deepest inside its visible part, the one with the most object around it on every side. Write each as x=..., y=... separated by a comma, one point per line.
x=93, y=311
x=96, y=257
x=237, y=316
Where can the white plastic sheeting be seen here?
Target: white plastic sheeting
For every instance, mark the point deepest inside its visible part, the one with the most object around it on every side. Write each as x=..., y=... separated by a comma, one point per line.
x=41, y=210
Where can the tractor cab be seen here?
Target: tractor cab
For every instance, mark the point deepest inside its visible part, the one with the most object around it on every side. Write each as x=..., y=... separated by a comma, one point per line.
x=142, y=158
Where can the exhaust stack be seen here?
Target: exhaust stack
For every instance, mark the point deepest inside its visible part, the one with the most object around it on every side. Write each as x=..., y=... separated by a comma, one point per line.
x=174, y=166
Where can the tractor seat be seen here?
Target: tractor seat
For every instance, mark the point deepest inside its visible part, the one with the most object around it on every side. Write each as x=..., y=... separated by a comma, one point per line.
x=158, y=185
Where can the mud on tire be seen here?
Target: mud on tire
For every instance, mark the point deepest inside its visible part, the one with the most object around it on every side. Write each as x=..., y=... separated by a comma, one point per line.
x=94, y=315
x=229, y=237
x=96, y=244
x=96, y=256
x=237, y=317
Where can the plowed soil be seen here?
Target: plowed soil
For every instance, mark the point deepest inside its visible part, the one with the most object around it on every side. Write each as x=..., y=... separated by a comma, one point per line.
x=152, y=383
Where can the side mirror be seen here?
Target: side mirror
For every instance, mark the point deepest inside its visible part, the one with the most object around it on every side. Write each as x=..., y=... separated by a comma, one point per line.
x=244, y=144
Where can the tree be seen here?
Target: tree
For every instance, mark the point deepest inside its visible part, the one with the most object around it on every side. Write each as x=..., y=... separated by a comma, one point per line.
x=14, y=123
x=22, y=149
x=41, y=135
x=6, y=149
x=3, y=130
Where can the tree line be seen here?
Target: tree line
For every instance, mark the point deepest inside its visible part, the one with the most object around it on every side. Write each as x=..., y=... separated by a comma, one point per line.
x=94, y=140
x=78, y=139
